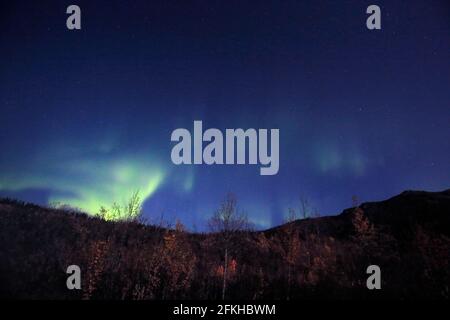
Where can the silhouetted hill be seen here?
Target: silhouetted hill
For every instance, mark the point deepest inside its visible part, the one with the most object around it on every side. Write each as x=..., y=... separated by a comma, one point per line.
x=399, y=214
x=325, y=257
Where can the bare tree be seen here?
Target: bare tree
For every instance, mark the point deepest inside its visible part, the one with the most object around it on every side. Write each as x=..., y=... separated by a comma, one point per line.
x=304, y=207
x=227, y=222
x=292, y=239
x=292, y=247
x=130, y=211
x=364, y=230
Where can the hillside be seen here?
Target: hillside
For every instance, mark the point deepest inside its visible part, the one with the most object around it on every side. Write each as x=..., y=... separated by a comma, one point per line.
x=408, y=236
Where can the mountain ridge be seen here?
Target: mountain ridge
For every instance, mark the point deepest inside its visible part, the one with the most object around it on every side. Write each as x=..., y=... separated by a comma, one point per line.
x=407, y=235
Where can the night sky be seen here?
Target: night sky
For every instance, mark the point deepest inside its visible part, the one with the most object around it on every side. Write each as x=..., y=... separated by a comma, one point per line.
x=86, y=115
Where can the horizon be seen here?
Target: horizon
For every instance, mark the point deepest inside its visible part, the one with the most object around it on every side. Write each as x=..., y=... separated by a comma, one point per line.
x=147, y=219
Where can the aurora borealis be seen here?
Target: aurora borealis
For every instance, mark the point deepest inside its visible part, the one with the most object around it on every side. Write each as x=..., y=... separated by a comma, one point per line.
x=86, y=115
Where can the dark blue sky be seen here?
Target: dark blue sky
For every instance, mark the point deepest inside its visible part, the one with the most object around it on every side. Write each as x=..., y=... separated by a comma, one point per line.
x=86, y=116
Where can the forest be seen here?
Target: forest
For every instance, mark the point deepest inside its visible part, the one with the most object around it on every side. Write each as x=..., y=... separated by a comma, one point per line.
x=407, y=236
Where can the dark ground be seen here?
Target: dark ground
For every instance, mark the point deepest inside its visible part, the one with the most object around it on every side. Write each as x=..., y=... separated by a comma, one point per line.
x=408, y=236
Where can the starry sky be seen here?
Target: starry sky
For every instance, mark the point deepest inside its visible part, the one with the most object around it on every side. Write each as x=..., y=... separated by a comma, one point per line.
x=86, y=115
